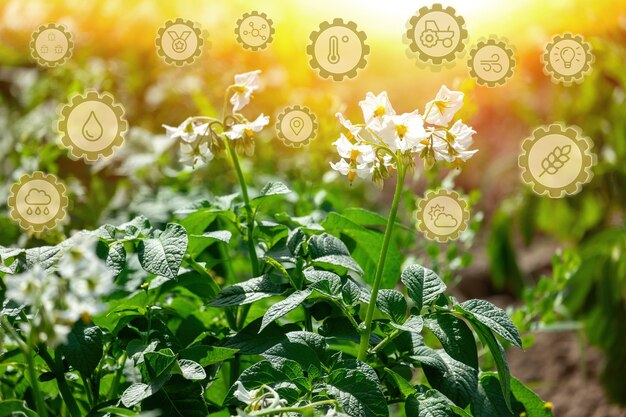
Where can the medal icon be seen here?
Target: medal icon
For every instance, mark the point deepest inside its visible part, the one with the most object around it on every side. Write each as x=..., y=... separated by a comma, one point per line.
x=179, y=42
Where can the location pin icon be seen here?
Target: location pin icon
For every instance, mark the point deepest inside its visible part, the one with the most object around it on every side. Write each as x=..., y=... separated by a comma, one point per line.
x=296, y=125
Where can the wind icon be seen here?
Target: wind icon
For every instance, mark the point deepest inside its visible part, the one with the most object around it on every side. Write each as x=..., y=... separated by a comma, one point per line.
x=92, y=128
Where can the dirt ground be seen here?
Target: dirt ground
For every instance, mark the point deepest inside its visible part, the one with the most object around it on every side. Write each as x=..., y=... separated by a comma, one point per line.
x=554, y=368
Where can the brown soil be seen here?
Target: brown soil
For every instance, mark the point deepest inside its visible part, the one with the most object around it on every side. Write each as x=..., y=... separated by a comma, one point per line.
x=560, y=372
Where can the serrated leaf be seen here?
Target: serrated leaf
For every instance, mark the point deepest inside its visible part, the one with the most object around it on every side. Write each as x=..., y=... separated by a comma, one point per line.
x=413, y=324
x=283, y=307
x=207, y=355
x=429, y=404
x=247, y=292
x=455, y=337
x=422, y=284
x=454, y=379
x=83, y=349
x=392, y=303
x=493, y=317
x=357, y=394
x=163, y=255
x=191, y=370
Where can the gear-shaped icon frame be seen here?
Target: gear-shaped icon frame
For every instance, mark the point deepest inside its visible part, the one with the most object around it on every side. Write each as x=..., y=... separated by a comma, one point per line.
x=509, y=52
x=460, y=207
x=430, y=36
x=179, y=62
x=46, y=62
x=285, y=137
x=326, y=72
x=559, y=77
x=239, y=29
x=73, y=144
x=584, y=173
x=42, y=184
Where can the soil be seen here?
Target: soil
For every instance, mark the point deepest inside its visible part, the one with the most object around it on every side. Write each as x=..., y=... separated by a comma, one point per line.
x=561, y=372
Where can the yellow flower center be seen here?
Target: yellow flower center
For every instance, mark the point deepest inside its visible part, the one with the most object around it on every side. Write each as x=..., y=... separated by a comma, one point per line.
x=354, y=154
x=401, y=130
x=239, y=88
x=380, y=111
x=248, y=132
x=351, y=175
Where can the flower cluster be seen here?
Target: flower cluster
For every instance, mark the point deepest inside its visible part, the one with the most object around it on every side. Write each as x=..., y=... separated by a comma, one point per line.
x=373, y=149
x=264, y=398
x=59, y=298
x=203, y=137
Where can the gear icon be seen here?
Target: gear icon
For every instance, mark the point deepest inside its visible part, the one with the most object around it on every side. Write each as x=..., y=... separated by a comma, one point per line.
x=567, y=59
x=38, y=202
x=179, y=42
x=436, y=35
x=442, y=215
x=254, y=31
x=51, y=45
x=557, y=160
x=92, y=125
x=296, y=126
x=338, y=50
x=491, y=62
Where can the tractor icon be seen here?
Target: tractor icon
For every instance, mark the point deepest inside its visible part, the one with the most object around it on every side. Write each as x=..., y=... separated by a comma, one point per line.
x=431, y=35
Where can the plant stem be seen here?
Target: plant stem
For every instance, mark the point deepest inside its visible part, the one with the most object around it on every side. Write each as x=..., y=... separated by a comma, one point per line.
x=57, y=369
x=117, y=378
x=291, y=409
x=386, y=340
x=366, y=332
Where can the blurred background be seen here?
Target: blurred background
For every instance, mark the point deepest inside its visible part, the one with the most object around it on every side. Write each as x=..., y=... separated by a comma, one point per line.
x=557, y=265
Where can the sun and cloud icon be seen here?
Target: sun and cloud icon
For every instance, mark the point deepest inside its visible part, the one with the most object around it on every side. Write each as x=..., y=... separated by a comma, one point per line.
x=441, y=218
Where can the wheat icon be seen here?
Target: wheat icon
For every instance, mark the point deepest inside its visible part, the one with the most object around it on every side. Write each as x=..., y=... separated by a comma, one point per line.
x=556, y=159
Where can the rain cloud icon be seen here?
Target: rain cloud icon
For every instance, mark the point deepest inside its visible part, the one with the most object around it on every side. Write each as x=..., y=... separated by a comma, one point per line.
x=37, y=197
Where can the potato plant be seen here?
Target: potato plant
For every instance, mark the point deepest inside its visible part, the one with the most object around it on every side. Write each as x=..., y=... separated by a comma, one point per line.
x=133, y=319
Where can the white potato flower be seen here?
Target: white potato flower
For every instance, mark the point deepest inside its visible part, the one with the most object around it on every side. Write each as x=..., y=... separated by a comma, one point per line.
x=245, y=85
x=442, y=109
x=375, y=108
x=195, y=154
x=247, y=129
x=404, y=132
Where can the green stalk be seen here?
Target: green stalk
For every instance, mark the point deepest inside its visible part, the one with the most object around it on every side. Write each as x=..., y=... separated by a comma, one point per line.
x=57, y=369
x=367, y=330
x=281, y=410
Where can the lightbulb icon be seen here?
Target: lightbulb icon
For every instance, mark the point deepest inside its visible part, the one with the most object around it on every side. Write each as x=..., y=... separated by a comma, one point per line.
x=567, y=55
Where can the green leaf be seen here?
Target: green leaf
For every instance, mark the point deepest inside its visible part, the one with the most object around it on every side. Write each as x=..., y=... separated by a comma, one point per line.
x=271, y=189
x=247, y=292
x=455, y=337
x=328, y=250
x=296, y=242
x=422, y=284
x=533, y=405
x=393, y=304
x=413, y=324
x=138, y=392
x=366, y=245
x=429, y=404
x=491, y=316
x=207, y=355
x=11, y=408
x=306, y=348
x=191, y=370
x=403, y=385
x=488, y=400
x=83, y=349
x=351, y=293
x=178, y=398
x=497, y=352
x=118, y=411
x=250, y=341
x=454, y=379
x=330, y=285
x=284, y=375
x=198, y=243
x=163, y=254
x=283, y=307
x=159, y=363
x=116, y=258
x=357, y=394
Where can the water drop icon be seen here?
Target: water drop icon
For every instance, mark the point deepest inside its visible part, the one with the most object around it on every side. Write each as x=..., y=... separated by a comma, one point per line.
x=29, y=211
x=46, y=211
x=92, y=129
x=37, y=211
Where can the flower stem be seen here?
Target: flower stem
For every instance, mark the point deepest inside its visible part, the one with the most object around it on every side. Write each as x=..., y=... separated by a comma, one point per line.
x=56, y=366
x=366, y=332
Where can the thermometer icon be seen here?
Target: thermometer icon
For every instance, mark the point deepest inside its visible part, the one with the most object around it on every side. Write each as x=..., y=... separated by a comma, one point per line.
x=333, y=48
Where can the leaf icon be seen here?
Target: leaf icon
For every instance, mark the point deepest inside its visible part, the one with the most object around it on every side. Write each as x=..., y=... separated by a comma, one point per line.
x=556, y=159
